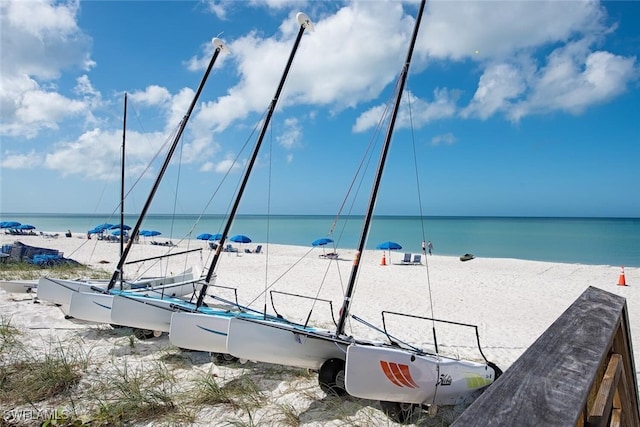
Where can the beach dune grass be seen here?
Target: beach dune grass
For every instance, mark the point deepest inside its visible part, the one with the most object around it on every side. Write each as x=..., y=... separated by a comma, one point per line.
x=27, y=376
x=144, y=392
x=27, y=271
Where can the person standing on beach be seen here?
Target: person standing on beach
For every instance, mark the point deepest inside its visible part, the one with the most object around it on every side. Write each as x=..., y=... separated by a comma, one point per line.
x=424, y=248
x=430, y=246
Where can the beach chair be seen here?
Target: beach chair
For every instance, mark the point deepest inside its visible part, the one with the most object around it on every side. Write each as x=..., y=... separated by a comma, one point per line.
x=417, y=259
x=258, y=249
x=406, y=259
x=330, y=255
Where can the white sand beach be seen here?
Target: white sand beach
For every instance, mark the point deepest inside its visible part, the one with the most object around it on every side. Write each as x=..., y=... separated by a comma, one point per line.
x=511, y=301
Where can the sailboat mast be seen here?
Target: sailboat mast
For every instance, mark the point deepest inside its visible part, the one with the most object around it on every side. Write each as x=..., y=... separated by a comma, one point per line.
x=124, y=138
x=304, y=22
x=219, y=46
x=344, y=312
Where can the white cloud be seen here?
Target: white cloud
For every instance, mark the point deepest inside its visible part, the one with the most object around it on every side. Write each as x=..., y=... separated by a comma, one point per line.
x=153, y=96
x=413, y=111
x=570, y=82
x=291, y=134
x=571, y=78
x=39, y=110
x=336, y=65
x=455, y=30
x=207, y=167
x=40, y=40
x=499, y=86
x=217, y=7
x=227, y=165
x=96, y=154
x=369, y=119
x=446, y=139
x=21, y=161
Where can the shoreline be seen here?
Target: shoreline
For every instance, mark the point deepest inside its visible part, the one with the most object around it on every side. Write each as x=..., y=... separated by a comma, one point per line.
x=39, y=240
x=592, y=241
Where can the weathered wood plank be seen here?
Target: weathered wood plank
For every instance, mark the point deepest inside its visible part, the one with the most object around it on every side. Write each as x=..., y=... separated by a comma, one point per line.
x=549, y=384
x=601, y=409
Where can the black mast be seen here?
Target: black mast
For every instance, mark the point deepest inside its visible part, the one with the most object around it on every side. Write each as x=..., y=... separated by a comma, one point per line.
x=124, y=133
x=304, y=22
x=344, y=311
x=219, y=45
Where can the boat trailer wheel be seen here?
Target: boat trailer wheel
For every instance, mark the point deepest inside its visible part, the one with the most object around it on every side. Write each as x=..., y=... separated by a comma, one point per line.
x=224, y=358
x=402, y=413
x=331, y=377
x=144, y=334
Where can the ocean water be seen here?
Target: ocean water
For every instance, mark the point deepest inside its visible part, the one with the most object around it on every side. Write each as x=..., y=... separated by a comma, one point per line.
x=598, y=241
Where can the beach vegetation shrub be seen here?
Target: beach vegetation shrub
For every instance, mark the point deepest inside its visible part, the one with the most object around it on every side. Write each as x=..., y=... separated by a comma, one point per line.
x=9, y=337
x=289, y=415
x=28, y=271
x=141, y=393
x=28, y=377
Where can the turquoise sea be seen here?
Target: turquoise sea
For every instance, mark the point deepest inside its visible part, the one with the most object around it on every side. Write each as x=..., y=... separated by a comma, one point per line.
x=600, y=241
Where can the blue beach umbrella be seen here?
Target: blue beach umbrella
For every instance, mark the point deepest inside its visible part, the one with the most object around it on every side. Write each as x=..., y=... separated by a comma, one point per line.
x=240, y=238
x=204, y=236
x=149, y=233
x=216, y=236
x=10, y=224
x=117, y=232
x=26, y=227
x=321, y=242
x=120, y=227
x=100, y=228
x=389, y=246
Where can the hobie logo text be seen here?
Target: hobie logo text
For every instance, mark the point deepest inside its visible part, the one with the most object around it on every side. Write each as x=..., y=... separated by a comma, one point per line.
x=398, y=374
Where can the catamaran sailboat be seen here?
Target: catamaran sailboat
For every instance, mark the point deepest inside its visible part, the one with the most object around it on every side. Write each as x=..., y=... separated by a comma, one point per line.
x=94, y=303
x=197, y=326
x=403, y=377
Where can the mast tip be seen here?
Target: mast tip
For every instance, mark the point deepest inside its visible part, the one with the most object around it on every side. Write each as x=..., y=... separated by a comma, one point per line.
x=304, y=21
x=219, y=44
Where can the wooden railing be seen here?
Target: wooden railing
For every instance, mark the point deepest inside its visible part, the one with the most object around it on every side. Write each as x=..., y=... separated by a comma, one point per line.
x=580, y=372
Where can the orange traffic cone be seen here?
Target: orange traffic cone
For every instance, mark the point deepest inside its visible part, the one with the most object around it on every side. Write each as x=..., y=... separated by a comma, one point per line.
x=384, y=259
x=621, y=280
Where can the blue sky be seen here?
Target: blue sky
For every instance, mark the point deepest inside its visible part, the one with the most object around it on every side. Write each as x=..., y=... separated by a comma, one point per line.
x=519, y=108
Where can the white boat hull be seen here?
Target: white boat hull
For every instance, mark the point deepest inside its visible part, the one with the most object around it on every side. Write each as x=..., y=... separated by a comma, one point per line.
x=91, y=306
x=198, y=331
x=19, y=286
x=397, y=375
x=281, y=344
x=96, y=307
x=59, y=291
x=143, y=313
